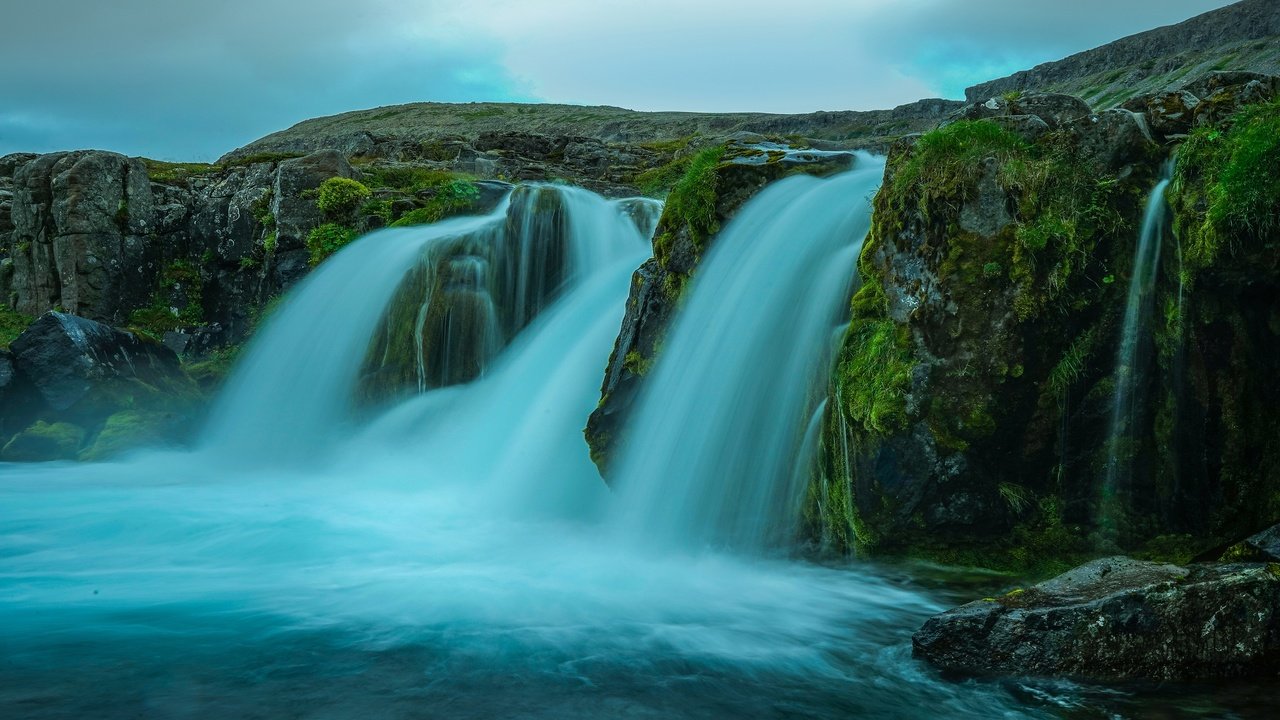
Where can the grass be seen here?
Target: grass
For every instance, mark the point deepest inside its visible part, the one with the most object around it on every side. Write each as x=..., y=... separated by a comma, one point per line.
x=693, y=198
x=1226, y=190
x=171, y=173
x=453, y=198
x=12, y=324
x=328, y=239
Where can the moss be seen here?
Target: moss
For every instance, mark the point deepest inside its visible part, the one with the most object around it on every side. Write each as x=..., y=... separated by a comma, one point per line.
x=12, y=324
x=127, y=430
x=209, y=372
x=1226, y=191
x=327, y=239
x=176, y=303
x=261, y=157
x=454, y=198
x=44, y=441
x=410, y=178
x=637, y=364
x=875, y=369
x=1176, y=549
x=692, y=201
x=338, y=197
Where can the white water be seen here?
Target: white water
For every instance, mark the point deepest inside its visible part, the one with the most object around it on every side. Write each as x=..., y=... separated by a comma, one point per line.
x=448, y=559
x=709, y=454
x=1134, y=340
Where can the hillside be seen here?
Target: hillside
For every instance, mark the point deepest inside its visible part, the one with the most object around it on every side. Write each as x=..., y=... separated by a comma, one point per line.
x=1243, y=36
x=364, y=131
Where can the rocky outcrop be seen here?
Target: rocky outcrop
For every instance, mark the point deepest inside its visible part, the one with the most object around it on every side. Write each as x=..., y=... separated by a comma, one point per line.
x=75, y=388
x=1241, y=36
x=79, y=240
x=1119, y=618
x=717, y=184
x=971, y=402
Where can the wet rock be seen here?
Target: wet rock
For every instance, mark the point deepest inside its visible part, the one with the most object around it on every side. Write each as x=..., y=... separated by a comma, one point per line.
x=1168, y=114
x=64, y=356
x=1261, y=547
x=1119, y=618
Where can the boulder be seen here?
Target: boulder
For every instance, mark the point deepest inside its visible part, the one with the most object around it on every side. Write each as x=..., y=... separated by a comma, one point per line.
x=1168, y=114
x=1260, y=547
x=64, y=357
x=1119, y=618
x=292, y=204
x=1053, y=109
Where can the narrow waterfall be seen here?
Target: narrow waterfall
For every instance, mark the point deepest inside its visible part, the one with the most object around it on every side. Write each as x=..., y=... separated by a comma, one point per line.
x=406, y=310
x=708, y=455
x=1134, y=351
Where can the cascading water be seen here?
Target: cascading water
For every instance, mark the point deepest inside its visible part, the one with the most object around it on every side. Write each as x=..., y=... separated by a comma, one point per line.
x=1133, y=353
x=709, y=455
x=445, y=560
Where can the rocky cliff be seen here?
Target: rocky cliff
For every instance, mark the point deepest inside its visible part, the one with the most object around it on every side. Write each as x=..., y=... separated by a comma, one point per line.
x=971, y=403
x=1243, y=36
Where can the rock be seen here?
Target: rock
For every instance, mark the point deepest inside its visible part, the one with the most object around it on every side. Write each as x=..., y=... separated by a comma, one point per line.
x=43, y=442
x=64, y=357
x=1213, y=82
x=1219, y=105
x=1260, y=547
x=1168, y=114
x=1119, y=618
x=295, y=213
x=1052, y=109
x=80, y=223
x=1113, y=140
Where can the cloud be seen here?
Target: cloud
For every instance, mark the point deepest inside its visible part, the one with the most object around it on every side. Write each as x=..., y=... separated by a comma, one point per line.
x=195, y=79
x=191, y=79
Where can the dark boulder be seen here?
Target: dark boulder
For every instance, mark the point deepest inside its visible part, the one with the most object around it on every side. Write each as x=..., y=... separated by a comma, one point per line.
x=292, y=205
x=1119, y=618
x=64, y=356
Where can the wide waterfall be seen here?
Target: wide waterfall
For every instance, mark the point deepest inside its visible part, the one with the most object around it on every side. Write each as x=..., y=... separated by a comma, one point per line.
x=452, y=552
x=709, y=455
x=1134, y=351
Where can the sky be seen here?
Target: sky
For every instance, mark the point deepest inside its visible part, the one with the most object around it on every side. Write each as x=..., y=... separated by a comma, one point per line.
x=193, y=79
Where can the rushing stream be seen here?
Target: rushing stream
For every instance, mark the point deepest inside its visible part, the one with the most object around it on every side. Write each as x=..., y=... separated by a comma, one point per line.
x=457, y=556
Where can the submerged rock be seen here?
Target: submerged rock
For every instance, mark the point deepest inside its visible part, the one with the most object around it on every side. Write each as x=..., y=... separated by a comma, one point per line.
x=1119, y=618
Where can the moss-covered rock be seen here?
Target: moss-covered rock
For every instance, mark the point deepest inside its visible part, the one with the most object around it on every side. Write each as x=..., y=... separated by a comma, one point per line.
x=957, y=397
x=44, y=441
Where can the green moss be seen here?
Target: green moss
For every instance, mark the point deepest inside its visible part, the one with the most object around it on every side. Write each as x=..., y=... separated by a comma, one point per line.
x=209, y=372
x=1226, y=192
x=409, y=178
x=338, y=197
x=176, y=303
x=875, y=368
x=378, y=208
x=127, y=430
x=327, y=239
x=637, y=364
x=453, y=198
x=692, y=201
x=12, y=324
x=44, y=441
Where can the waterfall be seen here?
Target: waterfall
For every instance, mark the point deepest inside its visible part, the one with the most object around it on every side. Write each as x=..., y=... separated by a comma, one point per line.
x=1133, y=354
x=707, y=456
x=405, y=310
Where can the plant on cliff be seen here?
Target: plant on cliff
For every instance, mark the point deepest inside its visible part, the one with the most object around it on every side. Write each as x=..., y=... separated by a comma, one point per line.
x=328, y=239
x=176, y=303
x=452, y=198
x=12, y=323
x=338, y=197
x=874, y=372
x=1226, y=189
x=693, y=199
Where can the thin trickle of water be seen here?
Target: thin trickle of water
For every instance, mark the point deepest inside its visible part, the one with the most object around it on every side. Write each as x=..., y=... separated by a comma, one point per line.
x=1133, y=353
x=708, y=455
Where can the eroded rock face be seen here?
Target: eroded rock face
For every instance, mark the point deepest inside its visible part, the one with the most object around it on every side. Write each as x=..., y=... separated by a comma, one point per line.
x=80, y=226
x=1119, y=618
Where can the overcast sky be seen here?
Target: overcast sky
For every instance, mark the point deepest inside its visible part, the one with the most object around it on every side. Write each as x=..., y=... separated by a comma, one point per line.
x=192, y=79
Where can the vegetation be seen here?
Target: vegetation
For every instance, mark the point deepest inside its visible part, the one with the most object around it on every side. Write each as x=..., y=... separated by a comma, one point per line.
x=874, y=372
x=1226, y=191
x=452, y=198
x=327, y=239
x=12, y=323
x=171, y=173
x=176, y=303
x=338, y=197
